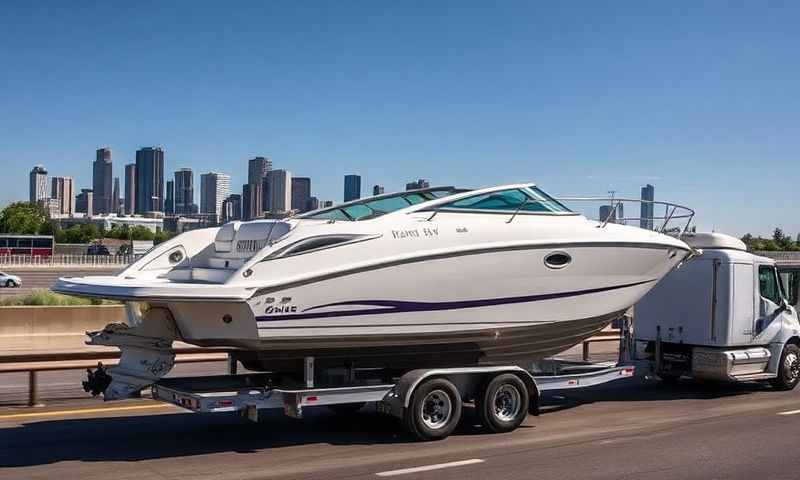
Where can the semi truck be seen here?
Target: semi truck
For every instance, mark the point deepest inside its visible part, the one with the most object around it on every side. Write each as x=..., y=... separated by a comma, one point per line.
x=727, y=315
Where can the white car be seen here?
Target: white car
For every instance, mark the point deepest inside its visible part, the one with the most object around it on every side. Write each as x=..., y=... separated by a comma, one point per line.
x=10, y=281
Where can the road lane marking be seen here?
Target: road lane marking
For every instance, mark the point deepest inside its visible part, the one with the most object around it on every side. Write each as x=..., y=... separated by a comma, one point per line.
x=427, y=468
x=56, y=413
x=790, y=412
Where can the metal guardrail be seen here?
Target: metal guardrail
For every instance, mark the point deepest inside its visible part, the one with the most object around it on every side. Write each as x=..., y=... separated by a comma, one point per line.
x=33, y=363
x=25, y=261
x=671, y=221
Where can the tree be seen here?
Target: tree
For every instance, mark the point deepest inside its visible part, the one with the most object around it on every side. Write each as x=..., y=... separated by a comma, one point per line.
x=22, y=218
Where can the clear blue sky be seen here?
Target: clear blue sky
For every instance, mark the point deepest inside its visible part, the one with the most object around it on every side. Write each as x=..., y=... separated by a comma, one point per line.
x=699, y=98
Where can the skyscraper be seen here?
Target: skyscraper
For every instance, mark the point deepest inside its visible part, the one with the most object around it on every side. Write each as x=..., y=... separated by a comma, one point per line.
x=38, y=184
x=63, y=190
x=252, y=201
x=115, y=203
x=301, y=193
x=280, y=191
x=102, y=178
x=84, y=202
x=257, y=169
x=421, y=183
x=169, y=203
x=149, y=180
x=184, y=192
x=130, y=188
x=232, y=208
x=214, y=188
x=646, y=216
x=352, y=187
x=377, y=190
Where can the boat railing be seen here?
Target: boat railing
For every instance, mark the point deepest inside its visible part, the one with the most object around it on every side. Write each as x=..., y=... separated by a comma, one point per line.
x=675, y=220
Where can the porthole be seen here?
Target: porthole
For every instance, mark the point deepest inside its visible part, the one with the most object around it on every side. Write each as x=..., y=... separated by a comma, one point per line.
x=175, y=256
x=557, y=260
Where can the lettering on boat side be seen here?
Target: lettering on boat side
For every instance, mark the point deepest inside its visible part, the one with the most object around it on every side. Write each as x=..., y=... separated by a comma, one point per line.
x=415, y=233
x=281, y=309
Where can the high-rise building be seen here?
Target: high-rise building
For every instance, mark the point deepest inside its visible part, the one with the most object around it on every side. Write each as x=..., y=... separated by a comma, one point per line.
x=169, y=203
x=301, y=193
x=421, y=183
x=279, y=190
x=102, y=178
x=115, y=202
x=257, y=169
x=313, y=203
x=646, y=215
x=232, y=208
x=214, y=188
x=149, y=180
x=184, y=192
x=38, y=184
x=63, y=190
x=84, y=202
x=130, y=188
x=325, y=203
x=352, y=187
x=252, y=201
x=50, y=206
x=377, y=190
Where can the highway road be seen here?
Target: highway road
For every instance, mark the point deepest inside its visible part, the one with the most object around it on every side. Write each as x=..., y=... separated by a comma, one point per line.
x=623, y=430
x=37, y=278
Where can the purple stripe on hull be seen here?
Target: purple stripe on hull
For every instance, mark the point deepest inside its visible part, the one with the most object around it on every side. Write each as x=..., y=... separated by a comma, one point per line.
x=399, y=306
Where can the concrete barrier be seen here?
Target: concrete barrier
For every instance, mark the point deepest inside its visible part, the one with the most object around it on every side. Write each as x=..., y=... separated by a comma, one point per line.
x=58, y=327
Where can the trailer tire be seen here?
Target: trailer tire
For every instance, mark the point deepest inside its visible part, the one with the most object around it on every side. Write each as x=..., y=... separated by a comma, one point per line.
x=789, y=368
x=434, y=410
x=503, y=405
x=346, y=408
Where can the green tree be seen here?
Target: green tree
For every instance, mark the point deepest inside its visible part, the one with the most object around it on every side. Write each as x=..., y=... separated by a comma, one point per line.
x=162, y=236
x=22, y=218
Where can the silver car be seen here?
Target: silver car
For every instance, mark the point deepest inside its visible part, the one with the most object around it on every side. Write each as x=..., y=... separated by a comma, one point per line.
x=10, y=281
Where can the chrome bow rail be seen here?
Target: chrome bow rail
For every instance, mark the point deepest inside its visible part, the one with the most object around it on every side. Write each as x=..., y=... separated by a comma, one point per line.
x=675, y=220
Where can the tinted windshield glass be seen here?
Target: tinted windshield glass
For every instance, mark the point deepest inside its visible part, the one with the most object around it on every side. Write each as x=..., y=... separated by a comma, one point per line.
x=369, y=208
x=525, y=200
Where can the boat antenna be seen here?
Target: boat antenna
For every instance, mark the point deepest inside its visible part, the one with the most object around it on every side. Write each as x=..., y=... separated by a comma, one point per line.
x=525, y=202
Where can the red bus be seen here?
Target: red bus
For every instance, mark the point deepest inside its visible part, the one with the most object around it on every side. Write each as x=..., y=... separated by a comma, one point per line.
x=33, y=245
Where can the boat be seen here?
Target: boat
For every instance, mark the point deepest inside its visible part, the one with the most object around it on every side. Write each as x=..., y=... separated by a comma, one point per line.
x=422, y=278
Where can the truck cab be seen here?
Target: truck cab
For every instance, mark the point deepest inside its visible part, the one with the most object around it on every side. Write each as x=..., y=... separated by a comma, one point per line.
x=726, y=315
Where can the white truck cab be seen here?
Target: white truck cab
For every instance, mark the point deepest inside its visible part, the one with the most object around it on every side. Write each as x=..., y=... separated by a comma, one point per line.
x=725, y=315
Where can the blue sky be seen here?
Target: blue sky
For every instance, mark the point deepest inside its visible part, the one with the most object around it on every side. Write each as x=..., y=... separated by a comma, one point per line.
x=699, y=98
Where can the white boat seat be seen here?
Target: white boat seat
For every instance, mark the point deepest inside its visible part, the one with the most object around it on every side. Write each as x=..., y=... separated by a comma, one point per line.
x=223, y=242
x=210, y=275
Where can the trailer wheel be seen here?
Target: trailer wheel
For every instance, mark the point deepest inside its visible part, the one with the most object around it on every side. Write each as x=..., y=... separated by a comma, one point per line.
x=789, y=369
x=504, y=404
x=434, y=410
x=346, y=408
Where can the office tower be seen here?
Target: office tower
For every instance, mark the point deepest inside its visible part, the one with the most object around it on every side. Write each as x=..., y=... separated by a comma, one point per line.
x=130, y=188
x=169, y=203
x=421, y=183
x=232, y=208
x=313, y=203
x=51, y=206
x=84, y=202
x=63, y=190
x=38, y=184
x=252, y=201
x=352, y=187
x=279, y=190
x=325, y=203
x=149, y=180
x=115, y=203
x=377, y=190
x=257, y=169
x=613, y=215
x=184, y=192
x=301, y=193
x=214, y=188
x=646, y=216
x=102, y=181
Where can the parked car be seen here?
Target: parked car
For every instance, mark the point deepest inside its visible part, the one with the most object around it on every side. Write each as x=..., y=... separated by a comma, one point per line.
x=10, y=281
x=97, y=249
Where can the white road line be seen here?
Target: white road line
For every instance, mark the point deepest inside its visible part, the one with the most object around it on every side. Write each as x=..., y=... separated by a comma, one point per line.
x=790, y=412
x=426, y=468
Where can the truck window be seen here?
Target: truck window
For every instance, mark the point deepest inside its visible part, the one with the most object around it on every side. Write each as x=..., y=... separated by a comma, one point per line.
x=790, y=281
x=768, y=284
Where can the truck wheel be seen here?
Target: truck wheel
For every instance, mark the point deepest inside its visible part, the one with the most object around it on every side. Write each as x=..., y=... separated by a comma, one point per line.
x=346, y=408
x=434, y=410
x=504, y=405
x=789, y=369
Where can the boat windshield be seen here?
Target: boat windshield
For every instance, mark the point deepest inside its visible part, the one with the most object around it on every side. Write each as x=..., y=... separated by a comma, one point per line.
x=381, y=205
x=527, y=199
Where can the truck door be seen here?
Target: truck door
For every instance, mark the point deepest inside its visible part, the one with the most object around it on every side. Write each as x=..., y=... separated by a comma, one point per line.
x=770, y=299
x=790, y=281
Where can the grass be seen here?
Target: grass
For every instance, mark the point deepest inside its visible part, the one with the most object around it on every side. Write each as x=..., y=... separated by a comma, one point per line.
x=43, y=297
